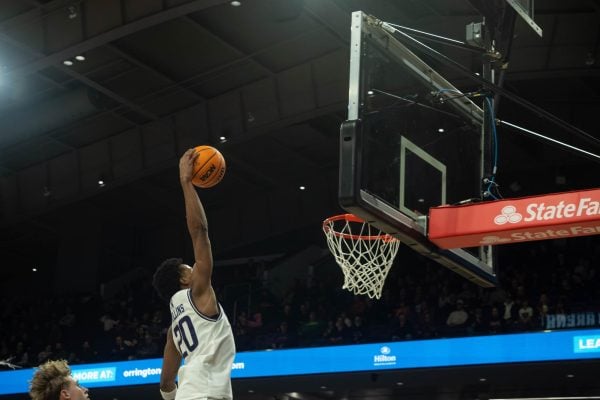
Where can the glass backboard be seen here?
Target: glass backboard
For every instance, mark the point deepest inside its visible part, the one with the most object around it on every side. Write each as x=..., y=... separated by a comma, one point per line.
x=412, y=141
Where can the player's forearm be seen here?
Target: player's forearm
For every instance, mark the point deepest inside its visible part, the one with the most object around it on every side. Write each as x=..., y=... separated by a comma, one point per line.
x=194, y=211
x=167, y=385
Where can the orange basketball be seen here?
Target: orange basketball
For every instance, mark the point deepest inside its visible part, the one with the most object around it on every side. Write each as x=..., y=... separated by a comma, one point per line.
x=209, y=167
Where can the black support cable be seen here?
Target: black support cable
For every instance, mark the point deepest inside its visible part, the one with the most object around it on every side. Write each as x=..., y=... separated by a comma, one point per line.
x=494, y=88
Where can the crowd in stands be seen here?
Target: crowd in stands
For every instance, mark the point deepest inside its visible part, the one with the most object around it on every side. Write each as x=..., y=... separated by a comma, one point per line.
x=421, y=300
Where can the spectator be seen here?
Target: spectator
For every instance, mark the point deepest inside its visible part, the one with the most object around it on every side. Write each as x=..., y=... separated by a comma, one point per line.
x=148, y=348
x=509, y=311
x=283, y=338
x=496, y=322
x=457, y=319
x=86, y=353
x=45, y=354
x=525, y=321
x=120, y=350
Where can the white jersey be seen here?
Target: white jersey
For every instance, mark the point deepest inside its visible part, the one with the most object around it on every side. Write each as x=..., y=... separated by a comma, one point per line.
x=207, y=347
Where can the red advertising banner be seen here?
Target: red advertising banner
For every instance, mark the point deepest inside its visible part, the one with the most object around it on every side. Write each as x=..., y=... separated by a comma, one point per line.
x=552, y=216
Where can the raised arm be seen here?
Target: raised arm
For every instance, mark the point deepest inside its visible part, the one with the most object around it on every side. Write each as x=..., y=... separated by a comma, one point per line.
x=170, y=366
x=198, y=229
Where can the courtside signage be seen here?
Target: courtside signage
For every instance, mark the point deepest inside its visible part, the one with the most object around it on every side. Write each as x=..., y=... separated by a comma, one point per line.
x=586, y=344
x=552, y=216
x=478, y=350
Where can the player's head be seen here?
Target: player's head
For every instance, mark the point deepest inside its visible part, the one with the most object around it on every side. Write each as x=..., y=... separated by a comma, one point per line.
x=53, y=381
x=170, y=277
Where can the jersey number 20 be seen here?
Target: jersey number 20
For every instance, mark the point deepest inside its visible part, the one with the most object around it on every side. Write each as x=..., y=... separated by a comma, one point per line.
x=186, y=337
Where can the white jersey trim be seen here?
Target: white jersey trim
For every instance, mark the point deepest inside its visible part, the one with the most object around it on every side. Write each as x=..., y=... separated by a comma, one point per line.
x=200, y=314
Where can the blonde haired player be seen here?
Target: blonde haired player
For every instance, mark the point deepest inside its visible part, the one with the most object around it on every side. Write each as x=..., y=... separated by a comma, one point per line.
x=53, y=381
x=200, y=332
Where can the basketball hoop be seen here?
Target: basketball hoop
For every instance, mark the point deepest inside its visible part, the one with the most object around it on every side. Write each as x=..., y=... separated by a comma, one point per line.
x=364, y=253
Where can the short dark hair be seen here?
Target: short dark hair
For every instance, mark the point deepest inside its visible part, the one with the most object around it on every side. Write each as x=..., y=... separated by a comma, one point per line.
x=166, y=278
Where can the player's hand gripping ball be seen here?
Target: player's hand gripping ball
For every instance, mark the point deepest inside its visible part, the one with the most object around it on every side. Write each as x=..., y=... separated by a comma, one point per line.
x=209, y=167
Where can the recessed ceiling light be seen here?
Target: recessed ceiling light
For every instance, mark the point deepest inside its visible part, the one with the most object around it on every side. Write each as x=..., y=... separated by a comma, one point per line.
x=250, y=391
x=482, y=379
x=101, y=183
x=236, y=3
x=34, y=269
x=80, y=58
x=399, y=383
x=441, y=130
x=223, y=139
x=570, y=376
x=302, y=187
x=68, y=63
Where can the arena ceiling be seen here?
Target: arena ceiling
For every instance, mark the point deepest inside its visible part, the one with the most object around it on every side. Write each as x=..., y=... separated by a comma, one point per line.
x=160, y=76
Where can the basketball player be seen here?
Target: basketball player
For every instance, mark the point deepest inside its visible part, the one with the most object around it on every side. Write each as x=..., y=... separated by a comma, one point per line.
x=53, y=381
x=200, y=332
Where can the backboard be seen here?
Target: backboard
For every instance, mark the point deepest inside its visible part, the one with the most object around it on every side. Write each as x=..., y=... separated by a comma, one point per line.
x=411, y=141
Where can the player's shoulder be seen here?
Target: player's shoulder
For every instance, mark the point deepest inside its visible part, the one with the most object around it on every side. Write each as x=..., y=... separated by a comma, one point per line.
x=179, y=296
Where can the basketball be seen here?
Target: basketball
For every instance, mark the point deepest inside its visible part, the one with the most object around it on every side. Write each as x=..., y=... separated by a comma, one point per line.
x=209, y=167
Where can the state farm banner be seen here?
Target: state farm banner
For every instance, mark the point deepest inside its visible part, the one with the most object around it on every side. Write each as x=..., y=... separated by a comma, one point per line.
x=552, y=216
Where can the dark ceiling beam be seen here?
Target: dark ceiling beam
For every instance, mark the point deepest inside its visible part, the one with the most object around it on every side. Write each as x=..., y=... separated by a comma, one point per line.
x=552, y=37
x=112, y=35
x=251, y=173
x=5, y=38
x=514, y=76
x=330, y=15
x=205, y=76
x=84, y=79
x=135, y=61
x=32, y=14
x=109, y=93
x=35, y=3
x=210, y=75
x=225, y=43
x=300, y=155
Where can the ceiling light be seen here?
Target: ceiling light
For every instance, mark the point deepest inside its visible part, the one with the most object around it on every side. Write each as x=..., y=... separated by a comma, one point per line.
x=302, y=187
x=441, y=130
x=72, y=12
x=68, y=63
x=482, y=379
x=370, y=92
x=34, y=269
x=80, y=58
x=570, y=376
x=236, y=3
x=590, y=60
x=399, y=383
x=250, y=391
x=323, y=387
x=101, y=183
x=222, y=139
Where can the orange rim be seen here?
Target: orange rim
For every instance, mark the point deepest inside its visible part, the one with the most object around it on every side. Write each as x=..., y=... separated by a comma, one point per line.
x=328, y=227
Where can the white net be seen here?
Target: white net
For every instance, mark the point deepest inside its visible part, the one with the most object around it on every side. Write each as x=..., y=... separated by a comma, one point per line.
x=364, y=253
